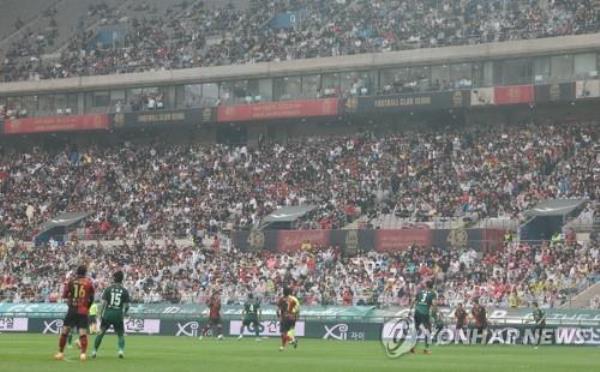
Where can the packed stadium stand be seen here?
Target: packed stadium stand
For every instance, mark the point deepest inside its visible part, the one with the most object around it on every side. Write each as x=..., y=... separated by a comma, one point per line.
x=168, y=137
x=132, y=36
x=163, y=188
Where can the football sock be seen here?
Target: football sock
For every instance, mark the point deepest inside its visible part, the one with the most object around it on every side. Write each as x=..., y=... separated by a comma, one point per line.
x=121, y=342
x=62, y=342
x=98, y=340
x=257, y=330
x=83, y=340
x=292, y=334
x=70, y=339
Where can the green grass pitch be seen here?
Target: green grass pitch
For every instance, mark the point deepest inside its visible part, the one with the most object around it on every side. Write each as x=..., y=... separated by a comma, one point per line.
x=32, y=353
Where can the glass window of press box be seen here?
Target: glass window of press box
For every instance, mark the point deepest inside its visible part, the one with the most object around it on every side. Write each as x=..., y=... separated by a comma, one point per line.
x=58, y=104
x=405, y=80
x=358, y=83
x=311, y=85
x=513, y=72
x=149, y=99
x=196, y=95
x=585, y=66
x=561, y=68
x=287, y=88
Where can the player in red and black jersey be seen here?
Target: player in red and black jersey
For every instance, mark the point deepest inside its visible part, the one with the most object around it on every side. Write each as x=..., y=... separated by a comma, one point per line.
x=214, y=317
x=288, y=308
x=79, y=295
x=479, y=314
x=461, y=318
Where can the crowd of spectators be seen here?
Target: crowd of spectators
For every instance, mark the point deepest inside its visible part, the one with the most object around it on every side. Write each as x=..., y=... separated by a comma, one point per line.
x=202, y=36
x=513, y=276
x=173, y=189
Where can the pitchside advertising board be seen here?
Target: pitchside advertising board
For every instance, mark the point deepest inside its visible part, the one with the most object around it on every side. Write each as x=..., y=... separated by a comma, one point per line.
x=10, y=324
x=524, y=334
x=339, y=323
x=132, y=326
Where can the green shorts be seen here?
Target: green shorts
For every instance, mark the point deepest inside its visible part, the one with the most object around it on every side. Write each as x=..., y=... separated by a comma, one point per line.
x=250, y=320
x=422, y=319
x=114, y=320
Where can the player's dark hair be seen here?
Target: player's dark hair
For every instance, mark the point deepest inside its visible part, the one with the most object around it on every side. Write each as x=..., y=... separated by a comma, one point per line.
x=287, y=291
x=250, y=296
x=430, y=284
x=118, y=277
x=81, y=270
x=535, y=304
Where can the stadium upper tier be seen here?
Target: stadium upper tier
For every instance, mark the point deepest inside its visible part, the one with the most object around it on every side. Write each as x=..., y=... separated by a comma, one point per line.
x=133, y=36
x=548, y=61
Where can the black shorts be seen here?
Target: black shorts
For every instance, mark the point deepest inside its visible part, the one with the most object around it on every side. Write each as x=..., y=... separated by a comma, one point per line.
x=286, y=325
x=422, y=319
x=73, y=319
x=92, y=319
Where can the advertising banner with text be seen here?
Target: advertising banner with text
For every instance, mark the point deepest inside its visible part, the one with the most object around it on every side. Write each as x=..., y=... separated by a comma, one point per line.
x=513, y=94
x=498, y=334
x=397, y=240
x=408, y=102
x=354, y=241
x=587, y=89
x=164, y=118
x=554, y=92
x=278, y=110
x=59, y=123
x=11, y=324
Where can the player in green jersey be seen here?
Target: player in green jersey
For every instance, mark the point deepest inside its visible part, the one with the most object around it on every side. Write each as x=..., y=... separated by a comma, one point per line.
x=423, y=302
x=251, y=315
x=539, y=317
x=115, y=304
x=437, y=319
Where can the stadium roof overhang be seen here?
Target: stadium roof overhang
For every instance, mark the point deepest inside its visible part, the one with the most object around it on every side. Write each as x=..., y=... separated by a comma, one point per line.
x=289, y=214
x=555, y=207
x=63, y=220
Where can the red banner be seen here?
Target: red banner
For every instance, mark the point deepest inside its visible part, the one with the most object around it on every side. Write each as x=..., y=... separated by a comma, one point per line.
x=293, y=240
x=394, y=240
x=514, y=94
x=56, y=124
x=278, y=110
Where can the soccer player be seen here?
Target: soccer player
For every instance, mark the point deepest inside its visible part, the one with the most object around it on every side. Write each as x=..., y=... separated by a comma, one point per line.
x=93, y=320
x=79, y=295
x=288, y=308
x=115, y=304
x=251, y=315
x=294, y=311
x=480, y=316
x=461, y=318
x=438, y=321
x=539, y=317
x=214, y=317
x=425, y=299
